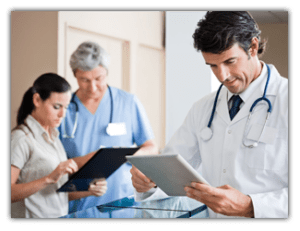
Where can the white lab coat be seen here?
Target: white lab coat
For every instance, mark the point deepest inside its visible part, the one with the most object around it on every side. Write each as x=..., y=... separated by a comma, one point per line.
x=261, y=172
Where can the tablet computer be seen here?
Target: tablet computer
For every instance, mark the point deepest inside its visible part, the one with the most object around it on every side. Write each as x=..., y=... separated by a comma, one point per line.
x=104, y=163
x=169, y=172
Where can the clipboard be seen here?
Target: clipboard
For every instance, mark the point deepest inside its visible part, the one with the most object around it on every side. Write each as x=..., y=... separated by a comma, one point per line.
x=171, y=173
x=104, y=163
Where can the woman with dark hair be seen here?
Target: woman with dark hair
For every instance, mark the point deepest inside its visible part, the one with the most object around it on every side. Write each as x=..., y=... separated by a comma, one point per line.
x=39, y=164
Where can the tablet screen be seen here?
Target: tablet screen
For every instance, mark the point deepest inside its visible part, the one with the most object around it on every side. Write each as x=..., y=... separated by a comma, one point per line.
x=169, y=172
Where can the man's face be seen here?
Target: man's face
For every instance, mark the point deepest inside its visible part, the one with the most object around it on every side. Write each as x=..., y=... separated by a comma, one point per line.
x=92, y=84
x=233, y=67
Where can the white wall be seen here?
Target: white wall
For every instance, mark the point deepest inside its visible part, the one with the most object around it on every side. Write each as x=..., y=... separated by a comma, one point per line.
x=187, y=77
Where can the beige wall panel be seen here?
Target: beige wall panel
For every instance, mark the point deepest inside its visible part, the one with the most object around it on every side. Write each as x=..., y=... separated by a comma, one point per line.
x=277, y=46
x=144, y=26
x=75, y=36
x=126, y=66
x=33, y=51
x=150, y=86
x=150, y=28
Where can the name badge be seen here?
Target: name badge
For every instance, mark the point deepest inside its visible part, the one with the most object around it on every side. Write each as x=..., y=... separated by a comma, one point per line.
x=116, y=129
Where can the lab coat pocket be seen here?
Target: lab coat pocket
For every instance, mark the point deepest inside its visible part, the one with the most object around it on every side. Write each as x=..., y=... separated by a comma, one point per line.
x=258, y=157
x=277, y=153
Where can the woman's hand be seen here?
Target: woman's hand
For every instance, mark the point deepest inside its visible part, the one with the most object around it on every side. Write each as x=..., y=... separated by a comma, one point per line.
x=24, y=190
x=98, y=187
x=66, y=167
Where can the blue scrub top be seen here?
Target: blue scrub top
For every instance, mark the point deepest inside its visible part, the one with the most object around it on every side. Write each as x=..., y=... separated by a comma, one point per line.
x=91, y=134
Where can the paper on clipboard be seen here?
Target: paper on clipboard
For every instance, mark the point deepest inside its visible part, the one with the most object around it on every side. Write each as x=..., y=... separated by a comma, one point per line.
x=171, y=173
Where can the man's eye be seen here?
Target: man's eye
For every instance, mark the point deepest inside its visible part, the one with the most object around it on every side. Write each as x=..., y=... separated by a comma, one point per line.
x=56, y=106
x=230, y=61
x=99, y=78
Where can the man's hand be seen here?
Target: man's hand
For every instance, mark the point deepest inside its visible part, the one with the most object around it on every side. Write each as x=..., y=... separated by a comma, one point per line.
x=225, y=199
x=139, y=181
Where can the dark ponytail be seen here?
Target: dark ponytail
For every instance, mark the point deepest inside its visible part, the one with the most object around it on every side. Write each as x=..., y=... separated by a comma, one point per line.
x=44, y=85
x=26, y=106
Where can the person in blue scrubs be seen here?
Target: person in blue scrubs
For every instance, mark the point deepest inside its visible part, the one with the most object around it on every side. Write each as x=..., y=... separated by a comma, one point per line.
x=98, y=105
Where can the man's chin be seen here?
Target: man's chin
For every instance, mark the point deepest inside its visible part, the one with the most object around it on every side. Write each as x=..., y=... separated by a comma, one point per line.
x=234, y=89
x=92, y=95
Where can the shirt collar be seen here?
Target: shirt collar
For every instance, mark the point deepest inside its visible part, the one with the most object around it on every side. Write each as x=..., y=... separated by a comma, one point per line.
x=39, y=131
x=252, y=87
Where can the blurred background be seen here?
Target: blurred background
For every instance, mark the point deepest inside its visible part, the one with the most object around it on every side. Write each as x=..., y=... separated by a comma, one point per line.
x=152, y=55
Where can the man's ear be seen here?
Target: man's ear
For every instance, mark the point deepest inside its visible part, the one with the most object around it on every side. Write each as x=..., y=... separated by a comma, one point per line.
x=36, y=99
x=254, y=47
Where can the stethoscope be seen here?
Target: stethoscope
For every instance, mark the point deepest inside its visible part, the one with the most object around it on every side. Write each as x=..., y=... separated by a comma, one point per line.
x=207, y=132
x=65, y=135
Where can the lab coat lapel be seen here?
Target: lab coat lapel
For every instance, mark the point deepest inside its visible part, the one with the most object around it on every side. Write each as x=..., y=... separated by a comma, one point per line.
x=258, y=93
x=273, y=84
x=222, y=106
x=245, y=110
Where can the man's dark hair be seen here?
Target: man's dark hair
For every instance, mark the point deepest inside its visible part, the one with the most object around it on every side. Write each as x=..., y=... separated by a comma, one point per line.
x=220, y=30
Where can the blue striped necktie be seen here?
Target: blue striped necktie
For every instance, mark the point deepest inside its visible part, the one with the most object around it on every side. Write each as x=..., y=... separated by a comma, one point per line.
x=236, y=102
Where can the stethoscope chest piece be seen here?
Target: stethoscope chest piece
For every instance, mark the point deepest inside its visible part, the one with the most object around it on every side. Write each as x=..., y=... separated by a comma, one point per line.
x=206, y=133
x=112, y=128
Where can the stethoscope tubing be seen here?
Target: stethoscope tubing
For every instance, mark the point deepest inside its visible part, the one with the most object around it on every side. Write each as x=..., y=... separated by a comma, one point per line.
x=214, y=107
x=77, y=112
x=263, y=98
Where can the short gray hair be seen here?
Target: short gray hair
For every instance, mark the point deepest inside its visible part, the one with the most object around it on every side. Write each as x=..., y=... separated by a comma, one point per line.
x=88, y=56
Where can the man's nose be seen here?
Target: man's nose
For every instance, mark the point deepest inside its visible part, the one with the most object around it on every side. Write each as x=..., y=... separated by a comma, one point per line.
x=93, y=86
x=223, y=74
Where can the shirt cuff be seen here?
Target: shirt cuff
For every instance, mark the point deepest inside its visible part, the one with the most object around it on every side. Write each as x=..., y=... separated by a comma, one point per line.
x=152, y=194
x=269, y=205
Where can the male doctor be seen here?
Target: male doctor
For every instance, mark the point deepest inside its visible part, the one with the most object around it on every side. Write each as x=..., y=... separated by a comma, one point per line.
x=244, y=181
